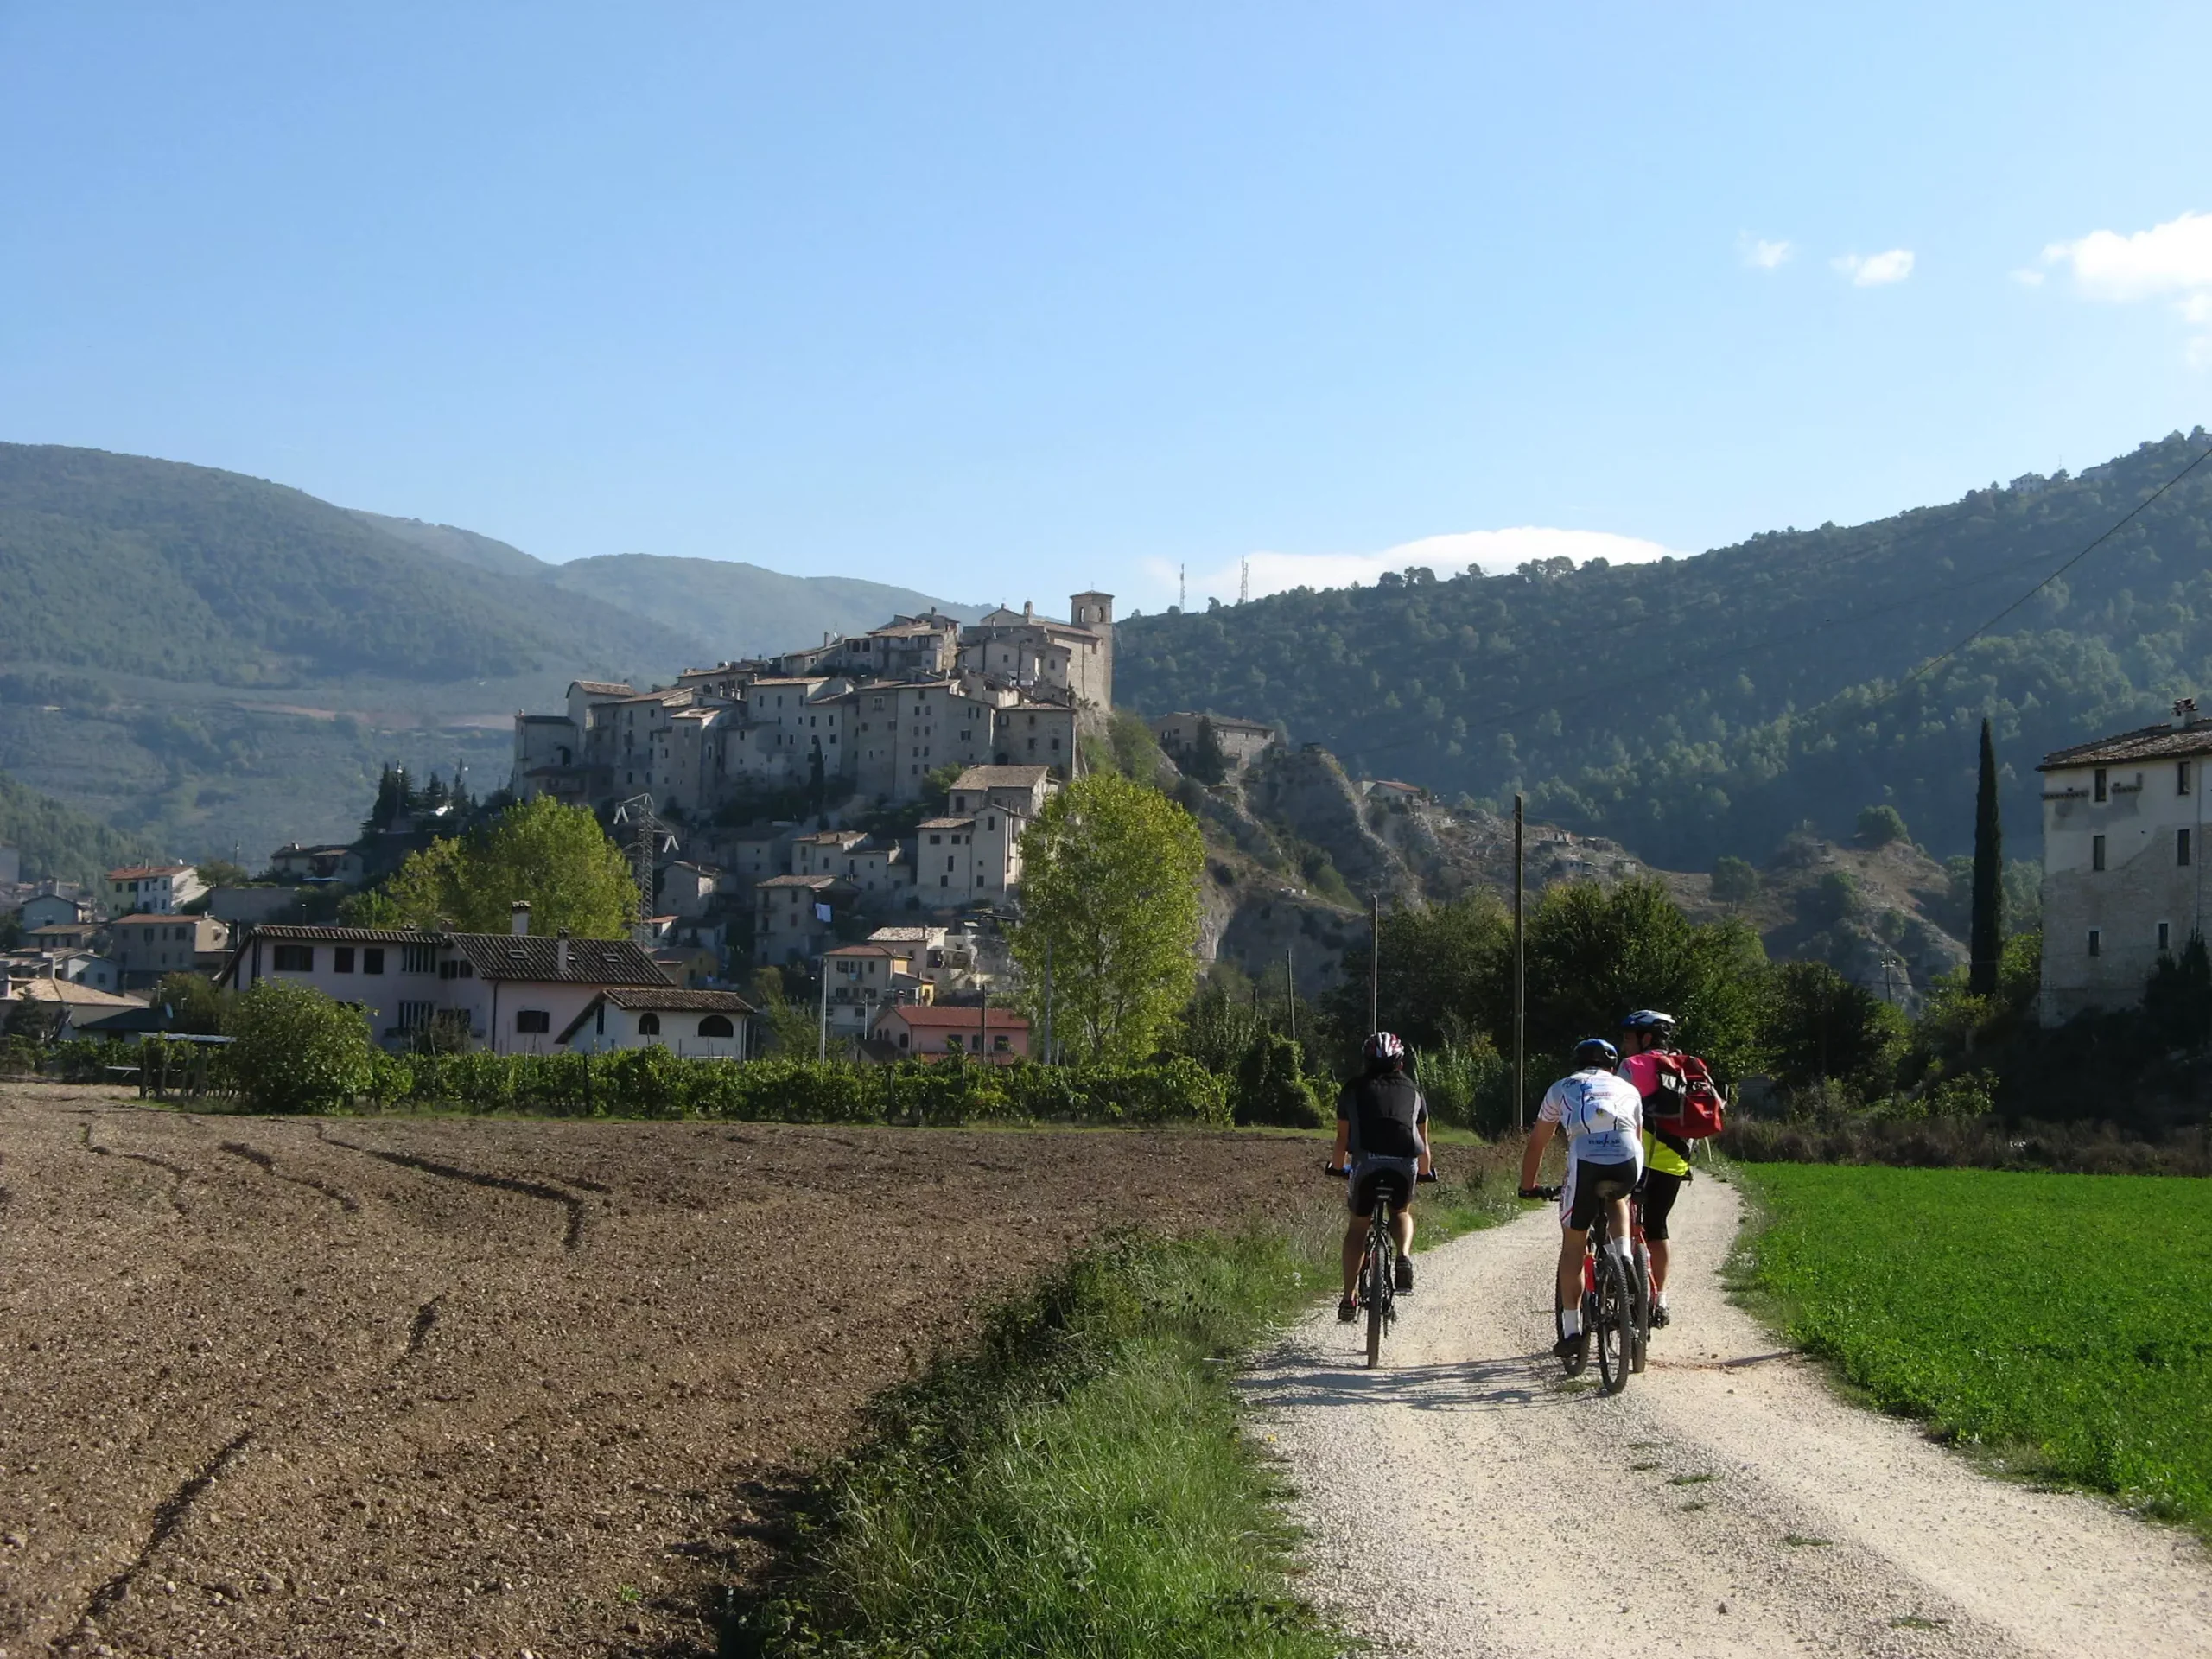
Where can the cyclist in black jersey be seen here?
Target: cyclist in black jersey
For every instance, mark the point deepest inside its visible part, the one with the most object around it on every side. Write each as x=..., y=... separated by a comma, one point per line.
x=1382, y=1129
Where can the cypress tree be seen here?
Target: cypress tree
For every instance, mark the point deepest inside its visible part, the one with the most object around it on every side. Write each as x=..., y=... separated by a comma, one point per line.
x=1985, y=934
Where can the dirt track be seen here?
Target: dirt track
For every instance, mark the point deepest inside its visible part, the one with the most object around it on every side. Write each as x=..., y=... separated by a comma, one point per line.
x=1466, y=1502
x=282, y=1386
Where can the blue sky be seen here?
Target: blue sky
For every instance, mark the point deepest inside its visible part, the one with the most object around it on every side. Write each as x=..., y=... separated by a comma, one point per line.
x=1005, y=301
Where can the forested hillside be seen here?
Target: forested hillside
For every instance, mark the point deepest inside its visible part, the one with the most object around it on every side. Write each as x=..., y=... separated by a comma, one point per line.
x=59, y=841
x=1697, y=707
x=152, y=568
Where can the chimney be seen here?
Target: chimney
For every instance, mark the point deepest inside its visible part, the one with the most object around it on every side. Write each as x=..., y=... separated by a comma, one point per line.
x=2185, y=715
x=1028, y=611
x=561, y=952
x=519, y=917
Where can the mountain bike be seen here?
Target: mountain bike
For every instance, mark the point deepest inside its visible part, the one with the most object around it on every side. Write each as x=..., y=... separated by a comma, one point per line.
x=1377, y=1285
x=1616, y=1304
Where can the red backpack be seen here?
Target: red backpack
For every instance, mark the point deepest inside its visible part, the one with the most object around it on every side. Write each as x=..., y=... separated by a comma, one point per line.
x=1691, y=1109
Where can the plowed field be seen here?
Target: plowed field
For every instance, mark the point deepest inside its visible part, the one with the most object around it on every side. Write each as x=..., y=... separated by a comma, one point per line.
x=449, y=1387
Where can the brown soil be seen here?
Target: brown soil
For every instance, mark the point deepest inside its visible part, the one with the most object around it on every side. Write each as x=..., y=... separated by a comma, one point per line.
x=451, y=1387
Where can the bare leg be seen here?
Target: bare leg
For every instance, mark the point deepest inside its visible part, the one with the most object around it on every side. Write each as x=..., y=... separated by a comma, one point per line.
x=1658, y=1247
x=1571, y=1247
x=1355, y=1252
x=1402, y=1228
x=1617, y=1222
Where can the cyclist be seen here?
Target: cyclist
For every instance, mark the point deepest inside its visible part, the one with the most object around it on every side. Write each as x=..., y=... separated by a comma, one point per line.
x=1382, y=1121
x=1646, y=1034
x=1603, y=1119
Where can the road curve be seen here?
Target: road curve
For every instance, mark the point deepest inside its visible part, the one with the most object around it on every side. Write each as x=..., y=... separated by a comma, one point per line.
x=1465, y=1501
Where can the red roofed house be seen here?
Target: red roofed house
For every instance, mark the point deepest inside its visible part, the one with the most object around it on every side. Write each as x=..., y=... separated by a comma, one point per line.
x=917, y=1031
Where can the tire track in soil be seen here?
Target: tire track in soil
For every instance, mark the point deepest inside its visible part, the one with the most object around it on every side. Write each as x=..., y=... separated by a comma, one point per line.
x=176, y=1171
x=338, y=1196
x=568, y=1201
x=170, y=1514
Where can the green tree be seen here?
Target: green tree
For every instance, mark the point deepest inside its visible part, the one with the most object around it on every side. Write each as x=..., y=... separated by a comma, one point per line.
x=555, y=858
x=1109, y=895
x=2178, y=999
x=197, y=1004
x=1734, y=881
x=297, y=1050
x=1819, y=1024
x=1441, y=974
x=1208, y=762
x=793, y=1030
x=1595, y=954
x=1880, y=825
x=1270, y=1086
x=1985, y=934
x=221, y=873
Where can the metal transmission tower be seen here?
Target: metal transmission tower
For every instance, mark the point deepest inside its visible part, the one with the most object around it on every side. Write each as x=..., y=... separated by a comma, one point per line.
x=1182, y=587
x=1245, y=580
x=636, y=815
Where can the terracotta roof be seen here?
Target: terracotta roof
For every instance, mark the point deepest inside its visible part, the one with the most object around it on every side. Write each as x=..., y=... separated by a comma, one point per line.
x=796, y=881
x=533, y=956
x=2164, y=741
x=670, y=998
x=922, y=1013
x=904, y=935
x=138, y=872
x=862, y=951
x=68, y=990
x=603, y=688
x=946, y=823
x=153, y=916
x=1001, y=777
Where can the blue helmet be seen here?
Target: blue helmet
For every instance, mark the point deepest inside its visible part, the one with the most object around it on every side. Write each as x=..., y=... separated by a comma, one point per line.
x=1595, y=1051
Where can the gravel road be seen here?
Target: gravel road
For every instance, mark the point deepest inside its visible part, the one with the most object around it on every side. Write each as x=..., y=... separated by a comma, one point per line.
x=1467, y=1500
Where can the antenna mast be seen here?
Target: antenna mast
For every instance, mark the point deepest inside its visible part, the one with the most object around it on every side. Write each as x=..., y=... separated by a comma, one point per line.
x=1245, y=580
x=1182, y=587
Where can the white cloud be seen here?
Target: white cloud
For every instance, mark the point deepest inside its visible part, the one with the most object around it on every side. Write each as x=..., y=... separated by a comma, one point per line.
x=2172, y=261
x=2027, y=278
x=1876, y=270
x=1494, y=551
x=1761, y=255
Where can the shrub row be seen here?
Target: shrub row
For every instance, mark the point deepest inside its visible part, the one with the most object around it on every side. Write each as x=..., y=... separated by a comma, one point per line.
x=1966, y=1143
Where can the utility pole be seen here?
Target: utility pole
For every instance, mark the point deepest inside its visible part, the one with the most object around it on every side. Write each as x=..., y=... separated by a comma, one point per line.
x=1375, y=967
x=1520, y=977
x=821, y=1049
x=1290, y=992
x=1048, y=1002
x=984, y=1019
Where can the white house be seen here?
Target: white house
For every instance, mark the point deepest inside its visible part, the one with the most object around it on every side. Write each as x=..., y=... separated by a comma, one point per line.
x=159, y=889
x=695, y=1025
x=2123, y=860
x=510, y=993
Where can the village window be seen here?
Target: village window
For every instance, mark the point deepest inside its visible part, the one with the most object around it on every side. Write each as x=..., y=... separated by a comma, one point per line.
x=2165, y=937
x=649, y=1024
x=1001, y=1043
x=341, y=959
x=529, y=1021
x=952, y=1043
x=2096, y=852
x=717, y=1025
x=296, y=958
x=2181, y=778
x=372, y=959
x=2100, y=788
x=2181, y=846
x=418, y=958
x=935, y=841
x=414, y=1016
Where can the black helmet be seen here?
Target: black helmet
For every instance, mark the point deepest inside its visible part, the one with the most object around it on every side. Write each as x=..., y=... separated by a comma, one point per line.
x=1595, y=1051
x=1648, y=1020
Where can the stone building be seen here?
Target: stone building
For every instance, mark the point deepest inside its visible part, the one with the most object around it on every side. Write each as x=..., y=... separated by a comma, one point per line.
x=2123, y=882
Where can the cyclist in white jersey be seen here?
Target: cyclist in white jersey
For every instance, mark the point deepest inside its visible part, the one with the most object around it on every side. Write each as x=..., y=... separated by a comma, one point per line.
x=1602, y=1116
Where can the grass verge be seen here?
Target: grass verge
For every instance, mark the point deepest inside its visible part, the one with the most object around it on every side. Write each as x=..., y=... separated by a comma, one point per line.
x=2054, y=1323
x=1075, y=1482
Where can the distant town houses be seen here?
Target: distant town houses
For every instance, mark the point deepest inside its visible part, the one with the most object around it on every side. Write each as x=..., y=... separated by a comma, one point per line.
x=513, y=993
x=157, y=889
x=1241, y=743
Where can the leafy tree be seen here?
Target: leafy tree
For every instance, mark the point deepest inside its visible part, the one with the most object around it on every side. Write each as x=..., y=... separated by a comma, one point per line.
x=197, y=1005
x=1735, y=882
x=1820, y=1025
x=373, y=907
x=554, y=857
x=1834, y=897
x=297, y=1050
x=2178, y=999
x=221, y=873
x=1985, y=937
x=1441, y=974
x=1880, y=825
x=1110, y=898
x=34, y=1020
x=1208, y=762
x=1270, y=1087
x=792, y=1029
x=1593, y=954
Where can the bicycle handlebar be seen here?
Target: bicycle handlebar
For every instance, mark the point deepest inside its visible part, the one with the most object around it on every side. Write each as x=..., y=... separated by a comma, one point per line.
x=1546, y=1194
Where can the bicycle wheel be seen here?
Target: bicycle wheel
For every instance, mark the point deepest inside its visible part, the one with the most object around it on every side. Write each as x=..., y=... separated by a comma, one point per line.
x=1379, y=1282
x=1616, y=1317
x=1642, y=1288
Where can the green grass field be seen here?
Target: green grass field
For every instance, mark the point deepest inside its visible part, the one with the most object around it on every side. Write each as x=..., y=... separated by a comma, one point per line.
x=2063, y=1322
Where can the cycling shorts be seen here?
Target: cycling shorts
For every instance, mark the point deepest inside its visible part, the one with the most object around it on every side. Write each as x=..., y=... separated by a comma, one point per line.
x=1589, y=1185
x=1373, y=1175
x=1660, y=1192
